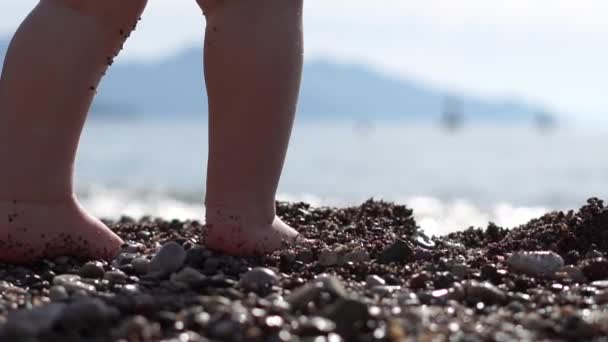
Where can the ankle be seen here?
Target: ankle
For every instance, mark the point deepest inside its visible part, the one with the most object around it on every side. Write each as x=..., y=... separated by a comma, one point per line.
x=239, y=214
x=38, y=198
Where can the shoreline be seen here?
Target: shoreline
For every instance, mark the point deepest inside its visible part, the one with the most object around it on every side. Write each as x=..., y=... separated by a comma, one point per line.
x=372, y=274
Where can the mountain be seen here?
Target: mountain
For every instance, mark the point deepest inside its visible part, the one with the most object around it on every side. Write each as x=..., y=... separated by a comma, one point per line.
x=175, y=86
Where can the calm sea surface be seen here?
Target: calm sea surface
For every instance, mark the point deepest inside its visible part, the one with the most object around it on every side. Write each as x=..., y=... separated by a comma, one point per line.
x=503, y=173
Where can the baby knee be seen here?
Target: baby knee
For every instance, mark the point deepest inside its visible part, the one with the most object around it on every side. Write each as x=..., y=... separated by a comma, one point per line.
x=123, y=13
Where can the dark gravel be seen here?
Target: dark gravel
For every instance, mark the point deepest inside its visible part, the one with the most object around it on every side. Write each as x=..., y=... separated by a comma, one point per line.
x=370, y=275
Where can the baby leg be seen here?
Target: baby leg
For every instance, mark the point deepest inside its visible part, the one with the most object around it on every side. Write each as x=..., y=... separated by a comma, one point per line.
x=253, y=64
x=52, y=69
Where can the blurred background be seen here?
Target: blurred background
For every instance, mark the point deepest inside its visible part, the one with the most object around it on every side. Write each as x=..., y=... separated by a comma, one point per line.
x=468, y=112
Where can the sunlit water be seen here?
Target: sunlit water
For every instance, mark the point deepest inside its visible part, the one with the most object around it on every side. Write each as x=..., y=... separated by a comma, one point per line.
x=502, y=173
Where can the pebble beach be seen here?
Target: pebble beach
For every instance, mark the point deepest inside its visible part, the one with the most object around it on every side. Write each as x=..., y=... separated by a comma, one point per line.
x=371, y=275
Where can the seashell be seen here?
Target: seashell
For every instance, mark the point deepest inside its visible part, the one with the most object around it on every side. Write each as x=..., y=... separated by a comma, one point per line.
x=537, y=264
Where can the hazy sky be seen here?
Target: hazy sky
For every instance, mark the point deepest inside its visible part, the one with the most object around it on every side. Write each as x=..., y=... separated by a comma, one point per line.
x=549, y=51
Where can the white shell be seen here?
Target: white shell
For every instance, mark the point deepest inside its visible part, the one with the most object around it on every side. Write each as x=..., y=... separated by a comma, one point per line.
x=538, y=264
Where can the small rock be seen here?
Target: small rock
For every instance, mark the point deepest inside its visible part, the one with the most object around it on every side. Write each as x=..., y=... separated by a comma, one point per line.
x=58, y=293
x=310, y=291
x=328, y=257
x=196, y=256
x=358, y=255
x=116, y=276
x=138, y=328
x=92, y=269
x=188, y=276
x=72, y=283
x=571, y=272
x=572, y=257
x=374, y=280
x=593, y=254
x=422, y=254
x=595, y=269
x=600, y=284
x=460, y=271
x=305, y=256
x=537, y=264
x=125, y=258
x=399, y=251
x=489, y=272
x=483, y=292
x=443, y=280
x=421, y=240
x=332, y=285
x=259, y=278
x=346, y=313
x=211, y=265
x=141, y=266
x=310, y=326
x=418, y=280
x=169, y=259
x=85, y=314
x=28, y=324
x=132, y=247
x=225, y=329
x=601, y=297
x=384, y=290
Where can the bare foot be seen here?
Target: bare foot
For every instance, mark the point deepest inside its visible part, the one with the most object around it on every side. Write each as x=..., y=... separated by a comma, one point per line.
x=239, y=235
x=30, y=231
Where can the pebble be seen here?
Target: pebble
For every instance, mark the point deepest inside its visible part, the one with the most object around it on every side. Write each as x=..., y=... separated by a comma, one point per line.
x=601, y=297
x=196, y=256
x=571, y=272
x=421, y=240
x=460, y=271
x=418, y=280
x=58, y=293
x=301, y=296
x=358, y=255
x=125, y=258
x=537, y=264
x=384, y=290
x=305, y=256
x=141, y=266
x=346, y=313
x=332, y=284
x=72, y=283
x=399, y=251
x=211, y=265
x=116, y=276
x=26, y=325
x=328, y=257
x=138, y=328
x=315, y=325
x=483, y=292
x=595, y=269
x=188, y=276
x=225, y=329
x=169, y=259
x=259, y=278
x=131, y=247
x=86, y=313
x=600, y=284
x=593, y=254
x=374, y=280
x=92, y=269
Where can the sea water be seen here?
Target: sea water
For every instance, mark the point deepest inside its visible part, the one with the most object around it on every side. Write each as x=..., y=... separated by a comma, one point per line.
x=453, y=179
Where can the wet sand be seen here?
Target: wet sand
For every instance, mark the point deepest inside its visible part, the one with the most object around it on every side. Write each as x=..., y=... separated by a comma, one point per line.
x=371, y=275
